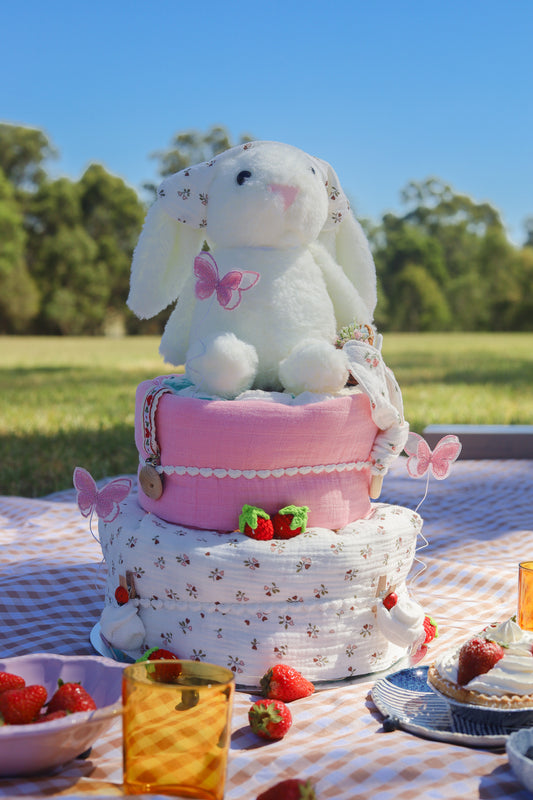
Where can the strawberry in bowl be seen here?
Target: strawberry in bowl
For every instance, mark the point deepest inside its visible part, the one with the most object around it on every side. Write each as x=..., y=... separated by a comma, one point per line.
x=38, y=736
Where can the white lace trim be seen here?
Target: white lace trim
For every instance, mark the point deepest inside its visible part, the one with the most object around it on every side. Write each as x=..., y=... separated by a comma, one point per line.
x=281, y=472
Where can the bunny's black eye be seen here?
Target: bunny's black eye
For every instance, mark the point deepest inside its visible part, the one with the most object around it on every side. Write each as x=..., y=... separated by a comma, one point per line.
x=313, y=170
x=243, y=176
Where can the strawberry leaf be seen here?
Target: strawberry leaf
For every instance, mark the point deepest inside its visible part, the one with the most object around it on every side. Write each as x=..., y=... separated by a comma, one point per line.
x=249, y=515
x=299, y=516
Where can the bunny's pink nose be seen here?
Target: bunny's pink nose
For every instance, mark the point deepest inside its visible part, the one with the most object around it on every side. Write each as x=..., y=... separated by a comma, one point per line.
x=288, y=193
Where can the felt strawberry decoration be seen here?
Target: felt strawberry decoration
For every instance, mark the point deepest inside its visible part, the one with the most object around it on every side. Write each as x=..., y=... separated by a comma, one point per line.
x=477, y=656
x=270, y=719
x=431, y=628
x=390, y=600
x=290, y=789
x=122, y=595
x=283, y=682
x=21, y=706
x=256, y=523
x=290, y=521
x=70, y=697
x=10, y=681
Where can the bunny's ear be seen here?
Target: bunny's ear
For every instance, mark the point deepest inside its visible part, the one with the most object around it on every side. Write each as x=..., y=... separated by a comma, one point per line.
x=344, y=238
x=354, y=255
x=171, y=237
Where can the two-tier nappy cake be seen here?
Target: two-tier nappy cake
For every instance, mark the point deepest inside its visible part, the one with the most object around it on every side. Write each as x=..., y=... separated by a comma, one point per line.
x=255, y=535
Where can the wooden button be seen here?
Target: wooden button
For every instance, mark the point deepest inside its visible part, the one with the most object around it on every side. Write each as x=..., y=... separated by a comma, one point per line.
x=151, y=482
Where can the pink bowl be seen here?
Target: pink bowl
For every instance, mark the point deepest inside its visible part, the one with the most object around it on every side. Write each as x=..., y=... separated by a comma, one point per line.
x=32, y=749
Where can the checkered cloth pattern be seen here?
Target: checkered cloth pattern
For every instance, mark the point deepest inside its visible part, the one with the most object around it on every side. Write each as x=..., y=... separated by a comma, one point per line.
x=479, y=525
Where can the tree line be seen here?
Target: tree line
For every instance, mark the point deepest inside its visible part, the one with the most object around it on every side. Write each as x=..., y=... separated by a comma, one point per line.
x=444, y=263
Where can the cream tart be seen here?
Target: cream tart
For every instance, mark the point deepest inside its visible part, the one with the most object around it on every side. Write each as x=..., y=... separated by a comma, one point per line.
x=495, y=672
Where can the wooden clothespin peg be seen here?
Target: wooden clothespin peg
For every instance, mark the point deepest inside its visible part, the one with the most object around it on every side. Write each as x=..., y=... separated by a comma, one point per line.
x=380, y=589
x=375, y=486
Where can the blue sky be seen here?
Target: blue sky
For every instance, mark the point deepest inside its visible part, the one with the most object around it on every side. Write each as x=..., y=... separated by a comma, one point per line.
x=387, y=91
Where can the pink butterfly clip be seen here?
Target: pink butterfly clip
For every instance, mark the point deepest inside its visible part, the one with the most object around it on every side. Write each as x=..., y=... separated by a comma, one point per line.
x=228, y=289
x=105, y=502
x=422, y=458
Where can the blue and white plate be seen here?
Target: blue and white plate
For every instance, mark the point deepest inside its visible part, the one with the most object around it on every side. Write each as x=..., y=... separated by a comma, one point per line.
x=406, y=697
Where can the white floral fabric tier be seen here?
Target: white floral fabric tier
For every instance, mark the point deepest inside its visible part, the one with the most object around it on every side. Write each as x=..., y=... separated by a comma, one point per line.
x=226, y=598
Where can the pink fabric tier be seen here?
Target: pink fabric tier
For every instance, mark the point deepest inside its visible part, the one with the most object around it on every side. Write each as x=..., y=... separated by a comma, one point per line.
x=325, y=447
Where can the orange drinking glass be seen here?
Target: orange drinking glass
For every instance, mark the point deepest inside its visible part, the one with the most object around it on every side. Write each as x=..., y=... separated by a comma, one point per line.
x=176, y=728
x=525, y=595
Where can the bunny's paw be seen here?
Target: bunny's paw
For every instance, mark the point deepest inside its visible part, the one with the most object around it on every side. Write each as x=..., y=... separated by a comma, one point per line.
x=314, y=366
x=222, y=365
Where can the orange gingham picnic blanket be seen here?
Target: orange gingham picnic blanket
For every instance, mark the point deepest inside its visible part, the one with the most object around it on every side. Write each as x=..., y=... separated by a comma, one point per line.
x=479, y=525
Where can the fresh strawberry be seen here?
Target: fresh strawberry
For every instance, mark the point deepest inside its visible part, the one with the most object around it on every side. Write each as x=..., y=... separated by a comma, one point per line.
x=22, y=706
x=291, y=789
x=285, y=683
x=256, y=523
x=160, y=652
x=70, y=697
x=390, y=600
x=10, y=681
x=270, y=719
x=59, y=714
x=162, y=672
x=157, y=653
x=431, y=628
x=165, y=673
x=476, y=657
x=290, y=521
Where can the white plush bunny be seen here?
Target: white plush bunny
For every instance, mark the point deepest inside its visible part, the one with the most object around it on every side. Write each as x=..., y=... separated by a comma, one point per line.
x=288, y=266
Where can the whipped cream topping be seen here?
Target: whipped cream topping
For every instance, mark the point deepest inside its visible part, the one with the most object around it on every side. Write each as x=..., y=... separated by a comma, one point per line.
x=512, y=674
x=404, y=623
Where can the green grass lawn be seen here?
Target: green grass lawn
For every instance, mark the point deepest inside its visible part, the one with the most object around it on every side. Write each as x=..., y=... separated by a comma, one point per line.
x=70, y=401
x=463, y=378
